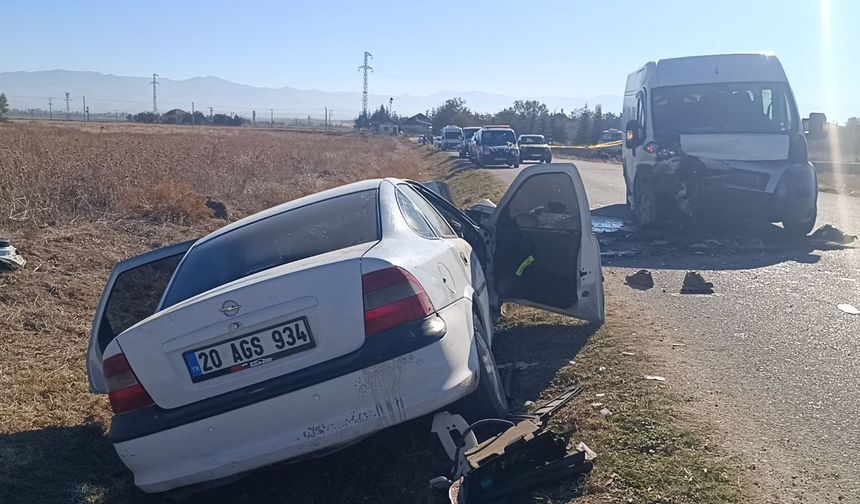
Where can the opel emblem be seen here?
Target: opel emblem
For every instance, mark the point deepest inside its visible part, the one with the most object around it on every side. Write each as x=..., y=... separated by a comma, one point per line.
x=230, y=308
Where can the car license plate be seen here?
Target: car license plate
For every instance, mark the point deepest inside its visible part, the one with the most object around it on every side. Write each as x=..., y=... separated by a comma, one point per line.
x=250, y=350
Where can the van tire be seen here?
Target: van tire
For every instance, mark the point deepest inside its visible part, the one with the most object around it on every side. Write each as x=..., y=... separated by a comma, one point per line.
x=646, y=202
x=489, y=400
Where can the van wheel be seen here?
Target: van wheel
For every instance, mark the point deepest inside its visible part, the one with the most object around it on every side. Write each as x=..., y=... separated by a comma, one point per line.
x=646, y=202
x=802, y=228
x=489, y=400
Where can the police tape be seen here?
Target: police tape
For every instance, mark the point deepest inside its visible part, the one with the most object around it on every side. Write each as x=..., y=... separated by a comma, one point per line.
x=606, y=145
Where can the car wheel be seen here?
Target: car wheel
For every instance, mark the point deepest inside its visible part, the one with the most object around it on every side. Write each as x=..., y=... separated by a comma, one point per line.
x=802, y=228
x=646, y=202
x=489, y=400
x=516, y=164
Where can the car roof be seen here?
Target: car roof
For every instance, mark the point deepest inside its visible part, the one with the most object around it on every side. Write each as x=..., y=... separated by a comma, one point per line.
x=363, y=185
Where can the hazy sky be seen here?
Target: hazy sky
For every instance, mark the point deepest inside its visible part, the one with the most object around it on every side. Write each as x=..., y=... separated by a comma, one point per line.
x=522, y=48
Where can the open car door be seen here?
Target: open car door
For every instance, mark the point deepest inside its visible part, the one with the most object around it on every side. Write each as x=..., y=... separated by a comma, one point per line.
x=544, y=251
x=132, y=293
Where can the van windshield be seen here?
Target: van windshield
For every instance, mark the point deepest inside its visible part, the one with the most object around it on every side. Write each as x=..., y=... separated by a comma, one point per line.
x=730, y=107
x=452, y=134
x=498, y=137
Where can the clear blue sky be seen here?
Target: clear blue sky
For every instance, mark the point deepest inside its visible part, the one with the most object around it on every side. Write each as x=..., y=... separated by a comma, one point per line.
x=517, y=48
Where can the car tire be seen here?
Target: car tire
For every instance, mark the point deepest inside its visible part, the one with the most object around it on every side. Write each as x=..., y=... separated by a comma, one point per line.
x=645, y=202
x=517, y=164
x=489, y=400
x=802, y=228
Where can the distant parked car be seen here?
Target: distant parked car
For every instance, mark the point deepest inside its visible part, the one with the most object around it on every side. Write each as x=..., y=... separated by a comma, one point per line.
x=307, y=326
x=468, y=133
x=534, y=147
x=496, y=145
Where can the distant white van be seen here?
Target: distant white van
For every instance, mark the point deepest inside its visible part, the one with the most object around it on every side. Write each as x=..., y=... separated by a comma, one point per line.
x=717, y=137
x=452, y=137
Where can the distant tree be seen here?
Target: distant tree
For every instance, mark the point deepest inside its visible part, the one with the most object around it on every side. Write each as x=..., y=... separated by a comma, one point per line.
x=454, y=111
x=146, y=117
x=596, y=124
x=381, y=115
x=361, y=121
x=4, y=106
x=582, y=119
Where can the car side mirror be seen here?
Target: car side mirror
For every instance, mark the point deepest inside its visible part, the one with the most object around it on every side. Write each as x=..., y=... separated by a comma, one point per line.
x=816, y=125
x=634, y=135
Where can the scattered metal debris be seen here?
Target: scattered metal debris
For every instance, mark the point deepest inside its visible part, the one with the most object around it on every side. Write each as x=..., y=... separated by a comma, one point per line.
x=655, y=378
x=605, y=412
x=695, y=284
x=641, y=280
x=628, y=353
x=523, y=455
x=10, y=260
x=600, y=394
x=601, y=224
x=596, y=404
x=219, y=209
x=620, y=253
x=849, y=309
x=830, y=234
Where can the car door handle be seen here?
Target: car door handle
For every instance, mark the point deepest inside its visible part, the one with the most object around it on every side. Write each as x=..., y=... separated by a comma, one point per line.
x=464, y=258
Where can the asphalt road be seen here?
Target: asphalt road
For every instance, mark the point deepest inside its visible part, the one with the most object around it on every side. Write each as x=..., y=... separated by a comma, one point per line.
x=772, y=361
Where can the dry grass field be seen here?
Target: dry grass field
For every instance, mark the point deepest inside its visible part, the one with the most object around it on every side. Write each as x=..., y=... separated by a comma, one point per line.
x=76, y=199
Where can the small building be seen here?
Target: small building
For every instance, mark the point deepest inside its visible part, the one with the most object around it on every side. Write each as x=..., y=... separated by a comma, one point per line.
x=416, y=125
x=388, y=129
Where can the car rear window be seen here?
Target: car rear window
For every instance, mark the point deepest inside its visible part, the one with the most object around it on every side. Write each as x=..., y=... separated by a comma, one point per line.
x=313, y=229
x=452, y=134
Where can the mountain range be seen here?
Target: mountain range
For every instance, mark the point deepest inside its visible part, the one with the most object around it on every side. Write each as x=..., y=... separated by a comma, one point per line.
x=107, y=93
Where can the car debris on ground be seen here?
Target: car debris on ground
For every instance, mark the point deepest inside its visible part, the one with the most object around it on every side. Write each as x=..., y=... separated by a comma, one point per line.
x=695, y=284
x=523, y=455
x=849, y=309
x=641, y=280
x=655, y=378
x=219, y=209
x=10, y=259
x=830, y=234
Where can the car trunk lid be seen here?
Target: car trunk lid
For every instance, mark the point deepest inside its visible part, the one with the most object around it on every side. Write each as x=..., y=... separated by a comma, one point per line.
x=302, y=313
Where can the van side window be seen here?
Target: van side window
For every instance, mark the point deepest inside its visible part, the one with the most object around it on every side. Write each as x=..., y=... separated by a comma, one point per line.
x=640, y=109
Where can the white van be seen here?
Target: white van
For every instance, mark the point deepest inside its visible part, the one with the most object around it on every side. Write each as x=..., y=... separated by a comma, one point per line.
x=717, y=136
x=452, y=137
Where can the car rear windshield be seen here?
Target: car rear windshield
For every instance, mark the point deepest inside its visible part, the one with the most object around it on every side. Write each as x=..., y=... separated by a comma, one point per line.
x=469, y=132
x=498, y=137
x=534, y=139
x=289, y=236
x=729, y=107
x=452, y=134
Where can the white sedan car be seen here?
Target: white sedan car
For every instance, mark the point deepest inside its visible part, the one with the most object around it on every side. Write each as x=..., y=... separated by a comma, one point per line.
x=308, y=326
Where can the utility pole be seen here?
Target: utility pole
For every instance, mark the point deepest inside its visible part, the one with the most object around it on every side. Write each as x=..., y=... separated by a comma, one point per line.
x=210, y=112
x=116, y=115
x=365, y=67
x=253, y=118
x=154, y=83
x=67, y=105
x=192, y=113
x=84, y=98
x=272, y=116
x=390, y=105
x=326, y=117
x=51, y=107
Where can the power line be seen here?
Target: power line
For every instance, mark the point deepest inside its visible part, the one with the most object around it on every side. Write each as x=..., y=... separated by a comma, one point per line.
x=154, y=83
x=365, y=67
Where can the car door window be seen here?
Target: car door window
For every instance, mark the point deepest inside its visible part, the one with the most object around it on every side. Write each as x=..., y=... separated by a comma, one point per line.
x=538, y=237
x=440, y=226
x=413, y=216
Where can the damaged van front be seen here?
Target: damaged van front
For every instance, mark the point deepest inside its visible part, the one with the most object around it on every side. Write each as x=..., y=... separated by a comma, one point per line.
x=717, y=138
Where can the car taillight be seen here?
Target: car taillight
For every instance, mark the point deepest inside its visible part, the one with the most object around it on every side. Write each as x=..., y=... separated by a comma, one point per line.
x=392, y=297
x=124, y=391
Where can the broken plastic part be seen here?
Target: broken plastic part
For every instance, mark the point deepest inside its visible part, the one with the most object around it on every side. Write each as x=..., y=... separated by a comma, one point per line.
x=9, y=257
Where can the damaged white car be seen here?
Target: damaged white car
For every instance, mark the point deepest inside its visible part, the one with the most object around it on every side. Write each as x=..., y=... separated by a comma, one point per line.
x=720, y=137
x=308, y=326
